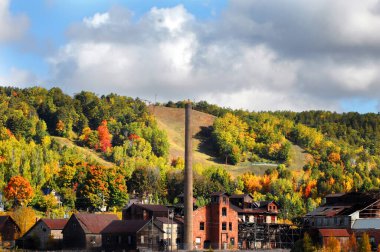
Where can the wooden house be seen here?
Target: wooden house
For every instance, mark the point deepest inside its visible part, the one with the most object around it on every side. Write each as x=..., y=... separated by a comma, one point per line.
x=45, y=234
x=82, y=230
x=132, y=235
x=9, y=231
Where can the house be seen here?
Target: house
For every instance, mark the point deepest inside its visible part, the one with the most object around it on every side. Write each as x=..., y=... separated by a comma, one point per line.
x=144, y=212
x=256, y=221
x=45, y=234
x=342, y=209
x=216, y=224
x=127, y=235
x=370, y=226
x=82, y=230
x=254, y=212
x=344, y=213
x=172, y=231
x=340, y=234
x=9, y=231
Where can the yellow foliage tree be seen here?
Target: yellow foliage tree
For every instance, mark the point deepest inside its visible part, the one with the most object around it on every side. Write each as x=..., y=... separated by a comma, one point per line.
x=364, y=244
x=25, y=217
x=332, y=245
x=251, y=182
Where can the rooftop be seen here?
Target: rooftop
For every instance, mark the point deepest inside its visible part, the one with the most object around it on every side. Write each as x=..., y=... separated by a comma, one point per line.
x=334, y=232
x=124, y=226
x=56, y=224
x=94, y=223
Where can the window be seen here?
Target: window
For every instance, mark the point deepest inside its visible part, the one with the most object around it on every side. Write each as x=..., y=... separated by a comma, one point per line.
x=119, y=239
x=232, y=241
x=230, y=226
x=198, y=240
x=224, y=211
x=201, y=226
x=142, y=239
x=224, y=200
x=129, y=239
x=224, y=225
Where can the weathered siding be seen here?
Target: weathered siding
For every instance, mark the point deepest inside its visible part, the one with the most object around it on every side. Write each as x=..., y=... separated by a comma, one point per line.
x=73, y=235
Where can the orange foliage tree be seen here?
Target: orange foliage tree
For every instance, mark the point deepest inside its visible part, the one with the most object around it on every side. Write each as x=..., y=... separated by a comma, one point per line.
x=19, y=190
x=334, y=157
x=332, y=245
x=104, y=136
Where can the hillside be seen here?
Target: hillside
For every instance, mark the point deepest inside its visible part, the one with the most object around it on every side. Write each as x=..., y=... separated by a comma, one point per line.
x=86, y=153
x=172, y=120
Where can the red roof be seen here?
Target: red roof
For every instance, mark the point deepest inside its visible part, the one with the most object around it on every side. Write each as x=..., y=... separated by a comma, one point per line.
x=334, y=232
x=57, y=224
x=94, y=223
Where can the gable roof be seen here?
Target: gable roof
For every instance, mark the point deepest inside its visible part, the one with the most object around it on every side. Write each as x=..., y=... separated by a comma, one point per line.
x=94, y=223
x=3, y=220
x=55, y=224
x=124, y=226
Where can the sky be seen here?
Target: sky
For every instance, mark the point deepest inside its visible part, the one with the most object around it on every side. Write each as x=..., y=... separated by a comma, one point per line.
x=251, y=54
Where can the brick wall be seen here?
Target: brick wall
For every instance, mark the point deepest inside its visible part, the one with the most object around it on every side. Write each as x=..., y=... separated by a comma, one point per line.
x=220, y=225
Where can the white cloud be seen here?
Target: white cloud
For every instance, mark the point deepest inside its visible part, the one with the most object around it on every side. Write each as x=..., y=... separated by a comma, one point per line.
x=11, y=27
x=260, y=54
x=97, y=20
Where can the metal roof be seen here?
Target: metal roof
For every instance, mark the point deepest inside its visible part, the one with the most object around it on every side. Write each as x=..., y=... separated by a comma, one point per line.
x=370, y=223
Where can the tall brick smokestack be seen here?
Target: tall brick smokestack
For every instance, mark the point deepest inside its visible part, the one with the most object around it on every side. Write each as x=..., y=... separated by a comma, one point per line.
x=188, y=181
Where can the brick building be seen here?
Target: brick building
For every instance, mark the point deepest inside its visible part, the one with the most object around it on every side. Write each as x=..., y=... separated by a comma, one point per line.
x=216, y=225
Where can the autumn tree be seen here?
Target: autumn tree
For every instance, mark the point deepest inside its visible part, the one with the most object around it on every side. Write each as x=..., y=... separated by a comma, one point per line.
x=104, y=137
x=18, y=190
x=308, y=245
x=332, y=245
x=25, y=217
x=364, y=244
x=352, y=244
x=92, y=187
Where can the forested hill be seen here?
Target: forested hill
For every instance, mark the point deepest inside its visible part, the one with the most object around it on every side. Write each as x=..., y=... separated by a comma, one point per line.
x=95, y=150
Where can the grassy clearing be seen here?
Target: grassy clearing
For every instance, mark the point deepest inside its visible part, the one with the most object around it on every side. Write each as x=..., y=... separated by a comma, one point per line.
x=172, y=120
x=87, y=154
